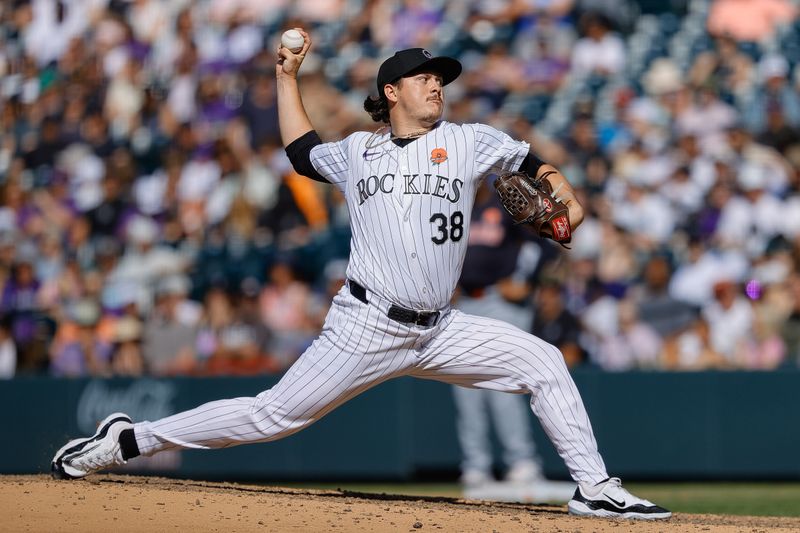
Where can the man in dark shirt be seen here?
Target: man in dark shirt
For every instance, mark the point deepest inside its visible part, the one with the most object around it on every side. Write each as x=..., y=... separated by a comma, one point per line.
x=554, y=324
x=493, y=284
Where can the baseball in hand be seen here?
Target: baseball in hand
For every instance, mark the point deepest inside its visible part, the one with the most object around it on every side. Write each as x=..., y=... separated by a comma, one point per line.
x=293, y=40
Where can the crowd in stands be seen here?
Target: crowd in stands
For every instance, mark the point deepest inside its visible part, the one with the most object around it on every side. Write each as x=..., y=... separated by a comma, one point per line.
x=150, y=222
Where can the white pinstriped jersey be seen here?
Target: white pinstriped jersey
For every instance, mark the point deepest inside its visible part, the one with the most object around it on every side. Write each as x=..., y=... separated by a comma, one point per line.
x=410, y=206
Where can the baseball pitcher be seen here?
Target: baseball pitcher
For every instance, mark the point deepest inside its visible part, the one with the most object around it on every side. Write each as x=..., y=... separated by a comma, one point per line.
x=410, y=189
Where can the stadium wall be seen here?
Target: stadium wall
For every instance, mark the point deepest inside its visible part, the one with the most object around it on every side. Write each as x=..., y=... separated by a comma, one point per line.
x=710, y=425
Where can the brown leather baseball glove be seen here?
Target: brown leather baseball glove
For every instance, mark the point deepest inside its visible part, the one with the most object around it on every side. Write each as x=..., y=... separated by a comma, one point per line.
x=532, y=201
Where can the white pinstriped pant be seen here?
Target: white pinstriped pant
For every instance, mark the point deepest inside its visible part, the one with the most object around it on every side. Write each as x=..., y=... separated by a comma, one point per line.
x=360, y=347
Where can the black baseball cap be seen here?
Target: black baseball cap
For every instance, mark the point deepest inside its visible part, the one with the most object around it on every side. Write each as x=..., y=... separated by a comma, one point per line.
x=407, y=61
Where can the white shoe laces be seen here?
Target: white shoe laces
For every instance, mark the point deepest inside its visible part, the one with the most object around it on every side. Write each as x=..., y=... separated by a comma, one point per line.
x=99, y=458
x=616, y=484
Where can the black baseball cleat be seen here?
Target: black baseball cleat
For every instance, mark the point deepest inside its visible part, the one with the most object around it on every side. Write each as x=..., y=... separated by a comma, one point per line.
x=609, y=500
x=80, y=457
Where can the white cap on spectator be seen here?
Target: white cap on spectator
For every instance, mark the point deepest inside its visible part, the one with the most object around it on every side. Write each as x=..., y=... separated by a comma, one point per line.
x=752, y=177
x=663, y=77
x=174, y=284
x=773, y=66
x=84, y=312
x=127, y=329
x=142, y=230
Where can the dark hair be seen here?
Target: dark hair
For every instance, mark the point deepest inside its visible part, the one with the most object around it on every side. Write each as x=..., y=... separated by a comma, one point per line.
x=378, y=108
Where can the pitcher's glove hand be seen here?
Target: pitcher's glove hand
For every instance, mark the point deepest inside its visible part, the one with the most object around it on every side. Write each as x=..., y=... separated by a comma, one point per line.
x=532, y=201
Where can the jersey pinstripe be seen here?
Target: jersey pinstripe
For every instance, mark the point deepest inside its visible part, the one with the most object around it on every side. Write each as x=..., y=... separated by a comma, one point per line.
x=409, y=209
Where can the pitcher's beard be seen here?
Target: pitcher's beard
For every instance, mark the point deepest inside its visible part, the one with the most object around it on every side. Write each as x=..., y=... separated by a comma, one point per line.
x=430, y=118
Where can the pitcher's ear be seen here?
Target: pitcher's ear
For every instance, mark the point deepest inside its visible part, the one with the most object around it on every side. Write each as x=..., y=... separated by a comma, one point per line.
x=390, y=91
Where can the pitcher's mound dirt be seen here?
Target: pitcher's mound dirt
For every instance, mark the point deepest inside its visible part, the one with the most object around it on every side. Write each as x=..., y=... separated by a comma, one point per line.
x=124, y=503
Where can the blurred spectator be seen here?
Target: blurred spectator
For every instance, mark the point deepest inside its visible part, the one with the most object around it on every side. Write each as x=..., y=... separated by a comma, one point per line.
x=778, y=133
x=599, y=320
x=774, y=95
x=76, y=351
x=227, y=342
x=634, y=344
x=724, y=67
x=106, y=218
x=744, y=150
x=656, y=307
x=285, y=303
x=145, y=262
x=692, y=350
x=20, y=302
x=126, y=352
x=790, y=329
x=582, y=141
x=751, y=214
x=707, y=118
x=169, y=337
x=764, y=349
x=413, y=23
x=319, y=11
x=495, y=77
x=622, y=13
x=544, y=72
x=685, y=196
x=645, y=215
x=615, y=262
x=600, y=52
x=8, y=351
x=730, y=320
x=701, y=268
x=259, y=108
x=554, y=324
x=47, y=147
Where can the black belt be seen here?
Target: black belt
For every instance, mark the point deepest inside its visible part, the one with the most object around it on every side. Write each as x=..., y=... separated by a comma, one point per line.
x=400, y=314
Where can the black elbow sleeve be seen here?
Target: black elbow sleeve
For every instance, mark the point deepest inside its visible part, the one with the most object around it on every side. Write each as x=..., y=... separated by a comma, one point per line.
x=531, y=164
x=299, y=154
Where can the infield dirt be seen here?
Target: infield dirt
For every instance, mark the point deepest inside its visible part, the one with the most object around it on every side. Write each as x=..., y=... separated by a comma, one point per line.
x=125, y=503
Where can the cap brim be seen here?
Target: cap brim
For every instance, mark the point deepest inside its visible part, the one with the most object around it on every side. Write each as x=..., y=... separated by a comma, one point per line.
x=447, y=67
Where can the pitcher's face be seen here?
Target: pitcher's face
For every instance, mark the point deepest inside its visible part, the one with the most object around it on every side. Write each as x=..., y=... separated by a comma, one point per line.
x=420, y=97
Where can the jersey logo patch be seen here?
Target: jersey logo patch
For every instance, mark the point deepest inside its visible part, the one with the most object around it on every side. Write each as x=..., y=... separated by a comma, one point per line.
x=438, y=156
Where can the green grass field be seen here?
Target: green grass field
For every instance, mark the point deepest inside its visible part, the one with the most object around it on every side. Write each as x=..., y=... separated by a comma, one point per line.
x=756, y=499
